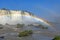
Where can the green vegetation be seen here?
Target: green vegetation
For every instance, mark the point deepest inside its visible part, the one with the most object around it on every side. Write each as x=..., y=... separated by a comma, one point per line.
x=44, y=27
x=25, y=33
x=30, y=25
x=20, y=25
x=6, y=24
x=1, y=27
x=56, y=38
x=41, y=26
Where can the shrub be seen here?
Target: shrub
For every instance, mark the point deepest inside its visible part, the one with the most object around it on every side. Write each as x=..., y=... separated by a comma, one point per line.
x=1, y=27
x=41, y=26
x=20, y=25
x=25, y=33
x=56, y=38
x=30, y=25
x=6, y=24
x=44, y=27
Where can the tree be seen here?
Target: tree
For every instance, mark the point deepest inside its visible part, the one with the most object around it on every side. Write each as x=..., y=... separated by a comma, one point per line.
x=20, y=25
x=41, y=26
x=25, y=33
x=56, y=38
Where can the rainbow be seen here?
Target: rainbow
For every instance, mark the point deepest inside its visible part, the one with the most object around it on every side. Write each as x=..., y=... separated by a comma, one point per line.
x=38, y=19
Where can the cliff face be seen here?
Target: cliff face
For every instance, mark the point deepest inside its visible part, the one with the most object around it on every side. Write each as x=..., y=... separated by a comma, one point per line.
x=15, y=16
x=22, y=17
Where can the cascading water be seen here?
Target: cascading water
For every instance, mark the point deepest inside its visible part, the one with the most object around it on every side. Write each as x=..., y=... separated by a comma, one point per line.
x=14, y=17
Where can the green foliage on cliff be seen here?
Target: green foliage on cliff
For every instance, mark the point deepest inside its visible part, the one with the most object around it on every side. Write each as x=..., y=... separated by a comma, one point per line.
x=25, y=33
x=41, y=26
x=56, y=38
x=20, y=25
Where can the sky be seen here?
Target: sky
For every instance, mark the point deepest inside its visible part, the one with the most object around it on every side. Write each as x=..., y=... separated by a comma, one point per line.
x=47, y=9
